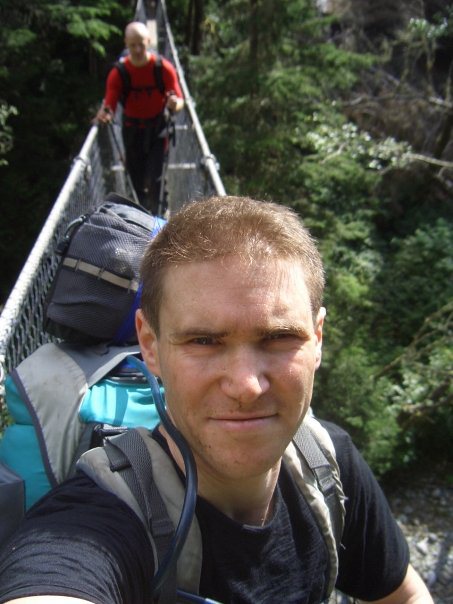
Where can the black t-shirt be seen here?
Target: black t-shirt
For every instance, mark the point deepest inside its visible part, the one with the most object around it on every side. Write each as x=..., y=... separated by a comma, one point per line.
x=83, y=542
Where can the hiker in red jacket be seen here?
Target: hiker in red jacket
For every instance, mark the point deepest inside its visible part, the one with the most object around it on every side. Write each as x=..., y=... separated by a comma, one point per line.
x=147, y=86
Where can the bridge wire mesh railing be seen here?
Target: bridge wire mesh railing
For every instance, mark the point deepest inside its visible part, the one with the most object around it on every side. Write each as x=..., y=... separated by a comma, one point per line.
x=192, y=170
x=98, y=169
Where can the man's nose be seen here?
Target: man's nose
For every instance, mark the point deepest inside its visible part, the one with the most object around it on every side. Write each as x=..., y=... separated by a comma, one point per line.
x=244, y=375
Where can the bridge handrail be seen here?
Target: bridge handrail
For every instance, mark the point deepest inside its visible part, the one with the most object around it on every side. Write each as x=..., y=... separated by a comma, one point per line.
x=209, y=159
x=42, y=246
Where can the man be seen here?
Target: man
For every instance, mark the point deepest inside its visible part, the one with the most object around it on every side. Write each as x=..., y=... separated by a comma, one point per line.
x=232, y=322
x=144, y=122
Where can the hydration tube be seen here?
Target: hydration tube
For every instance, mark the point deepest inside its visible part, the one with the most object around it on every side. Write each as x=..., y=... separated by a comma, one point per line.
x=190, y=497
x=185, y=596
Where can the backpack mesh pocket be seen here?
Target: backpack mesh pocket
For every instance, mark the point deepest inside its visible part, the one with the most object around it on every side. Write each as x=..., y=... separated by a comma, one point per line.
x=97, y=282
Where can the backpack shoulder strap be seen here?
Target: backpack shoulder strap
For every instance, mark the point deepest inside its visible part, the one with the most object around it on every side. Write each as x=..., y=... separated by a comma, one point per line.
x=129, y=455
x=113, y=476
x=125, y=79
x=97, y=361
x=157, y=67
x=310, y=448
x=158, y=74
x=311, y=459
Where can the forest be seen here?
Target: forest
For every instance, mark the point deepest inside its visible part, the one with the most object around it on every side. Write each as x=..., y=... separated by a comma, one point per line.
x=341, y=110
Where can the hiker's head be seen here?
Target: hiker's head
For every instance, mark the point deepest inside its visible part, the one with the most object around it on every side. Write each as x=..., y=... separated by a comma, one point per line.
x=231, y=322
x=137, y=40
x=222, y=227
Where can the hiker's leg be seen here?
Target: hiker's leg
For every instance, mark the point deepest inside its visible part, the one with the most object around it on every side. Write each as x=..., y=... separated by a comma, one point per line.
x=133, y=138
x=155, y=162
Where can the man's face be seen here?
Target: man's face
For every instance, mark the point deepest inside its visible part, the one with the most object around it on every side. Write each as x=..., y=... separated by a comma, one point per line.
x=237, y=352
x=137, y=45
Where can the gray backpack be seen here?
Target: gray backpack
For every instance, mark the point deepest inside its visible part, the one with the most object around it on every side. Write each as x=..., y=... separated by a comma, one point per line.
x=96, y=290
x=134, y=467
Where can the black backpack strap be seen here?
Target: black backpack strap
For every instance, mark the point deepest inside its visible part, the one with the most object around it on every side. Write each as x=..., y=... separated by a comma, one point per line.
x=130, y=456
x=85, y=444
x=313, y=454
x=126, y=80
x=158, y=74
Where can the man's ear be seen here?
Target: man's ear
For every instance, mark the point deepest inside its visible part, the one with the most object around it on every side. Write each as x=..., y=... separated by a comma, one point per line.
x=318, y=332
x=148, y=342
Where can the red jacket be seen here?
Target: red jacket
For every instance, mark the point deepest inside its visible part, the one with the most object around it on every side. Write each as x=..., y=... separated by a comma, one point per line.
x=142, y=104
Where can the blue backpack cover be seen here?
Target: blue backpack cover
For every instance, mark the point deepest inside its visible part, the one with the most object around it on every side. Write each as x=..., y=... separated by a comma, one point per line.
x=54, y=418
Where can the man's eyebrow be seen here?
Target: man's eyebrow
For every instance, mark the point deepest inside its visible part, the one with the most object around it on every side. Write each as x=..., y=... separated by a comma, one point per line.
x=194, y=332
x=290, y=328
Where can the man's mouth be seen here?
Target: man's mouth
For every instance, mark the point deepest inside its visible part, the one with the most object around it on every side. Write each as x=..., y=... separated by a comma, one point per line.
x=244, y=422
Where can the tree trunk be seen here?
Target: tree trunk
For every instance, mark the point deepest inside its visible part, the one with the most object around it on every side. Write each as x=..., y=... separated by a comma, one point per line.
x=194, y=20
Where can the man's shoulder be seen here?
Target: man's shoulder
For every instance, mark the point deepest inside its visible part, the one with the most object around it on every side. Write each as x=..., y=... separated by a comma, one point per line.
x=80, y=520
x=79, y=501
x=167, y=64
x=355, y=474
x=352, y=466
x=83, y=494
x=123, y=62
x=339, y=436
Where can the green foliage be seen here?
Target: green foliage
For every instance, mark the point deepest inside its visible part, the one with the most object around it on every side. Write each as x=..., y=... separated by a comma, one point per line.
x=348, y=394
x=418, y=266
x=85, y=22
x=420, y=42
x=271, y=91
x=330, y=142
x=51, y=73
x=258, y=92
x=418, y=389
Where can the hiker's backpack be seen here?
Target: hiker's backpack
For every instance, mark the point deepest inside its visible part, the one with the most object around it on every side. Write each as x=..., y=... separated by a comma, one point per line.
x=96, y=290
x=57, y=397
x=58, y=394
x=135, y=468
x=156, y=68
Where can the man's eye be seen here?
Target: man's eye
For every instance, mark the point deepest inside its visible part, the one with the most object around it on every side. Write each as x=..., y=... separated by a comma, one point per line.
x=203, y=341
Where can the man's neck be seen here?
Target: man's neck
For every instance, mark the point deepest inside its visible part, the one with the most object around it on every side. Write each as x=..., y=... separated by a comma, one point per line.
x=247, y=500
x=140, y=62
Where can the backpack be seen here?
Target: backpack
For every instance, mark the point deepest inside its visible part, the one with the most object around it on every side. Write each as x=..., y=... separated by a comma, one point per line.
x=126, y=78
x=58, y=398
x=96, y=290
x=135, y=468
x=61, y=392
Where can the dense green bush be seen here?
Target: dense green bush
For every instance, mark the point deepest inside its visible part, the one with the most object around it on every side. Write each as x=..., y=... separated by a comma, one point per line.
x=272, y=95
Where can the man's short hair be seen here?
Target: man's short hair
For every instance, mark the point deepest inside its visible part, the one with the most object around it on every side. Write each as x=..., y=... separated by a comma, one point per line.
x=221, y=227
x=136, y=27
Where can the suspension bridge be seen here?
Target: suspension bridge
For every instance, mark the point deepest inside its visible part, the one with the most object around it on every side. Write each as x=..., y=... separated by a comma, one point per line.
x=191, y=173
